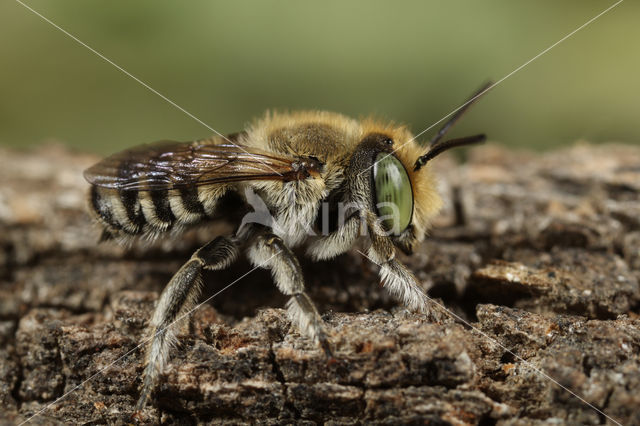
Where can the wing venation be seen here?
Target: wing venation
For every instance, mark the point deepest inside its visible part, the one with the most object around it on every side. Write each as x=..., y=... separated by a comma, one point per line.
x=169, y=165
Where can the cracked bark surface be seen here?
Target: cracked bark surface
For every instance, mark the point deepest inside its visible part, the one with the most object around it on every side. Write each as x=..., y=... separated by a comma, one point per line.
x=540, y=253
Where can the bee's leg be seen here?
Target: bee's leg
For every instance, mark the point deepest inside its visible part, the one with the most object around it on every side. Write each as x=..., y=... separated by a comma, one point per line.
x=268, y=251
x=396, y=277
x=338, y=242
x=177, y=298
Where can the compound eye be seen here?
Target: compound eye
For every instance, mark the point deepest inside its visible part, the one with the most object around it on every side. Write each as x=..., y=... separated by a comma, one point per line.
x=394, y=197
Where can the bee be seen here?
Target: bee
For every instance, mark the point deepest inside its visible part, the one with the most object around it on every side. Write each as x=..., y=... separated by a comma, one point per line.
x=323, y=181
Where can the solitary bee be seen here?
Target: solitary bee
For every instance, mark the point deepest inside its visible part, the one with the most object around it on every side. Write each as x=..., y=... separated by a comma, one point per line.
x=322, y=179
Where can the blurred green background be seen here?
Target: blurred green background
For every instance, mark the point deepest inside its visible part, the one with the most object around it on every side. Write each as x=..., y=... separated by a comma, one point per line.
x=227, y=62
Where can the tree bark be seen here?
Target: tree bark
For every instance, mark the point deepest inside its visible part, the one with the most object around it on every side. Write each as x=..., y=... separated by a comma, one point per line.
x=533, y=267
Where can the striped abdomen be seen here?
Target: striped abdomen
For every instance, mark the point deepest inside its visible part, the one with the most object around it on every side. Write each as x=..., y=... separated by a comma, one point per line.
x=134, y=212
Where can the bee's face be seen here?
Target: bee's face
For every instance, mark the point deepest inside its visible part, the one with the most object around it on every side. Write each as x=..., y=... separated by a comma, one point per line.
x=404, y=200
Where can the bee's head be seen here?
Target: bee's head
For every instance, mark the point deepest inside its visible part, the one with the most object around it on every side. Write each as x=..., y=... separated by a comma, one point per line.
x=403, y=189
x=403, y=199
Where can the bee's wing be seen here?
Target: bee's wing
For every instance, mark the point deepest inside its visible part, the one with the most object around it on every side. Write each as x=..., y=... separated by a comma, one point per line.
x=168, y=165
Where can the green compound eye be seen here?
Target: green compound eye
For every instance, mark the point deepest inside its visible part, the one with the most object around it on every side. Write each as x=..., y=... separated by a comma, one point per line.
x=394, y=197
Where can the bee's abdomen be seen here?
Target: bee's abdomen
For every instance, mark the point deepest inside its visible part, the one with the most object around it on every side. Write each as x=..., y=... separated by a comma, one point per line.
x=134, y=212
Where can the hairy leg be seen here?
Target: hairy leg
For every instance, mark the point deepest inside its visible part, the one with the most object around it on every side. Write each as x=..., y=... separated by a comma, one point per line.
x=338, y=242
x=396, y=277
x=269, y=251
x=177, y=298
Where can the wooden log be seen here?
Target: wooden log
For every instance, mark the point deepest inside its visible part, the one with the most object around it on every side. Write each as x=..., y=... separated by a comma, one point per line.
x=536, y=258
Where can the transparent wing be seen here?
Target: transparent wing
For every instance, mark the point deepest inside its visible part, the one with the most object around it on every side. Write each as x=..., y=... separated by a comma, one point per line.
x=168, y=165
